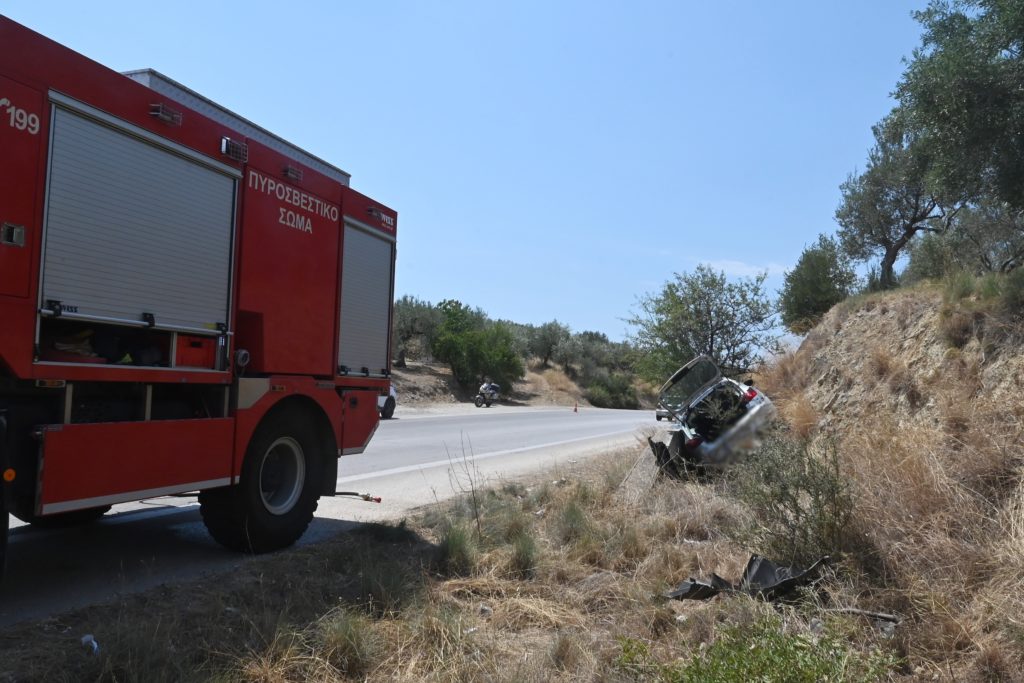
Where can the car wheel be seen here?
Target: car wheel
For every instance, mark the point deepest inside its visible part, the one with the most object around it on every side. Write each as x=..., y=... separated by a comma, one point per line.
x=657, y=417
x=388, y=411
x=275, y=500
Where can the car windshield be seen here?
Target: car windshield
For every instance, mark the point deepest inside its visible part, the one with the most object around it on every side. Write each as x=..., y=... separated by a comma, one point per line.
x=688, y=380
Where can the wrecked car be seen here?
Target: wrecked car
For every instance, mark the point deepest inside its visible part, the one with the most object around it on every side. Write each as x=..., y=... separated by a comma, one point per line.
x=716, y=418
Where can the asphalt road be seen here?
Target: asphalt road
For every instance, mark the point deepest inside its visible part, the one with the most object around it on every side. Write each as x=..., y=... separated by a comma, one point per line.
x=421, y=457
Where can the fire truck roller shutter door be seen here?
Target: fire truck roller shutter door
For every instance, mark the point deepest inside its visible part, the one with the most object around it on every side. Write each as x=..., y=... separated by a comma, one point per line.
x=133, y=227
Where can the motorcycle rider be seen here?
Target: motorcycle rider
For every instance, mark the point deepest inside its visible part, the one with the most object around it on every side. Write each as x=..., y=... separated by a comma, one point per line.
x=489, y=388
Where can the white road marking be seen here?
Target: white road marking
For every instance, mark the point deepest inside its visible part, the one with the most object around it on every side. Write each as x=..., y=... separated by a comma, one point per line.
x=482, y=456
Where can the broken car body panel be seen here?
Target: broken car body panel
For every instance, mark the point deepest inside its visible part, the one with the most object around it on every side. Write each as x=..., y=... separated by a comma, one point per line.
x=718, y=418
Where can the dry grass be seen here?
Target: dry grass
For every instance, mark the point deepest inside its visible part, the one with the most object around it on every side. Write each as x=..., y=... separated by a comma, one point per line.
x=373, y=606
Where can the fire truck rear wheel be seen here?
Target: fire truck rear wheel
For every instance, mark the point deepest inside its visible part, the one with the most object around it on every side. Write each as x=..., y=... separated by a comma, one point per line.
x=277, y=496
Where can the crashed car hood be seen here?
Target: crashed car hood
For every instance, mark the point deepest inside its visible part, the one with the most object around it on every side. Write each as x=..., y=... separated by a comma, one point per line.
x=687, y=384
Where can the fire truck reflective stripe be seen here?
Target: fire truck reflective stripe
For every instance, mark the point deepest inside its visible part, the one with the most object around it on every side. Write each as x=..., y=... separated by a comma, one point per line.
x=133, y=228
x=86, y=503
x=365, y=300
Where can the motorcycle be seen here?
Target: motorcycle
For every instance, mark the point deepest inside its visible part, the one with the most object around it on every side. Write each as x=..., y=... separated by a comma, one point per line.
x=487, y=394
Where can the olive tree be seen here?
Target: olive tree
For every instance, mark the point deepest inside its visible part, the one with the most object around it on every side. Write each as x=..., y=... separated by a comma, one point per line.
x=891, y=201
x=821, y=278
x=703, y=313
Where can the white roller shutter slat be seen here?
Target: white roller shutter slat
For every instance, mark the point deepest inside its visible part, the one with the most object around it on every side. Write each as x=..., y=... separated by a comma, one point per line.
x=366, y=278
x=133, y=228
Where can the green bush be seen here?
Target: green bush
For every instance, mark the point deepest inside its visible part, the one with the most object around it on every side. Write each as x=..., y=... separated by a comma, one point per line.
x=1011, y=298
x=524, y=555
x=800, y=501
x=958, y=286
x=821, y=278
x=350, y=643
x=458, y=550
x=763, y=652
x=573, y=524
x=612, y=390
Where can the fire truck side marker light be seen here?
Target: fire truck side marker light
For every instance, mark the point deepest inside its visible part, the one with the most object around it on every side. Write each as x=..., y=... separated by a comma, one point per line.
x=9, y=475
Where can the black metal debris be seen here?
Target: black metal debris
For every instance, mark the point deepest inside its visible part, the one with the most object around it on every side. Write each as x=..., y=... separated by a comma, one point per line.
x=762, y=579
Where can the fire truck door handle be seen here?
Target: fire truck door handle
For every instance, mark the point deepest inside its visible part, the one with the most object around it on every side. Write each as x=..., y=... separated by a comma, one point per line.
x=353, y=401
x=12, y=235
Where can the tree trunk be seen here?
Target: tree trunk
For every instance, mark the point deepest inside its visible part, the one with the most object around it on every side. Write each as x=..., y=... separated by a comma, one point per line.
x=886, y=278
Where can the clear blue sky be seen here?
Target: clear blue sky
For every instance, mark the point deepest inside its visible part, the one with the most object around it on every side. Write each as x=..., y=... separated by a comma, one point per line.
x=548, y=160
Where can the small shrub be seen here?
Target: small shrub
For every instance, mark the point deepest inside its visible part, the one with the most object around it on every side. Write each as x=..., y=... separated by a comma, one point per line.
x=990, y=286
x=801, y=503
x=957, y=328
x=764, y=652
x=1011, y=299
x=880, y=362
x=902, y=383
x=573, y=524
x=458, y=550
x=567, y=652
x=801, y=416
x=958, y=286
x=524, y=556
x=349, y=643
x=385, y=584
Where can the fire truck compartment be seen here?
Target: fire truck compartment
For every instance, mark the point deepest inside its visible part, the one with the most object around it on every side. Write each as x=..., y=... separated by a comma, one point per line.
x=91, y=465
x=366, y=277
x=138, y=231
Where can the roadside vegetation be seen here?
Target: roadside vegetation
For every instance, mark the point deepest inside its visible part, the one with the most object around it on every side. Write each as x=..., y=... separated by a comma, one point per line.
x=562, y=579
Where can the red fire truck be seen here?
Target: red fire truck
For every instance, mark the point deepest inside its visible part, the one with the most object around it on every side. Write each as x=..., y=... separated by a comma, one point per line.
x=188, y=302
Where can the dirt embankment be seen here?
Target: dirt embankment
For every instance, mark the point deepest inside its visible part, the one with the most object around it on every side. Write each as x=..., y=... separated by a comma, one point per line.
x=919, y=395
x=910, y=358
x=420, y=383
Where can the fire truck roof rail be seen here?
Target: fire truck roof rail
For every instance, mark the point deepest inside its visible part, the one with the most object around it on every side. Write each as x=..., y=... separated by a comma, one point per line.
x=156, y=81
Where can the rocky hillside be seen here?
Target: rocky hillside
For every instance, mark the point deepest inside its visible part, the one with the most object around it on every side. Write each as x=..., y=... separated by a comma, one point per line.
x=919, y=393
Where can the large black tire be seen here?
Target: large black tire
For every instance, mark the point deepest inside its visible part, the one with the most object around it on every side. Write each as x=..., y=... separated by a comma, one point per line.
x=275, y=500
x=65, y=520
x=388, y=411
x=479, y=401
